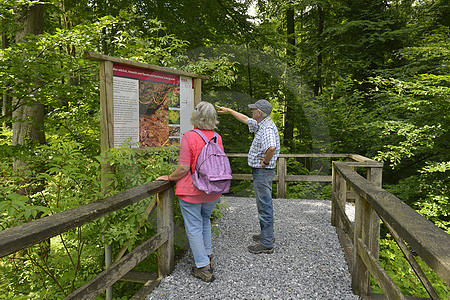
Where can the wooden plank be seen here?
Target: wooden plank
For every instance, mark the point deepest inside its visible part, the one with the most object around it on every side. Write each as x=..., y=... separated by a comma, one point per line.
x=347, y=246
x=341, y=199
x=359, y=268
x=101, y=57
x=316, y=155
x=97, y=285
x=374, y=175
x=197, y=91
x=237, y=154
x=347, y=225
x=242, y=176
x=106, y=139
x=360, y=158
x=293, y=178
x=428, y=241
x=139, y=276
x=309, y=178
x=366, y=237
x=384, y=281
x=146, y=289
x=370, y=164
x=106, y=119
x=28, y=234
x=334, y=198
x=165, y=213
x=351, y=195
x=412, y=261
x=106, y=106
x=281, y=172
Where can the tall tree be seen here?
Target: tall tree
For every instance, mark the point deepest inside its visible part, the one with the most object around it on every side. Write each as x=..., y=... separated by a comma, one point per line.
x=28, y=113
x=6, y=99
x=289, y=112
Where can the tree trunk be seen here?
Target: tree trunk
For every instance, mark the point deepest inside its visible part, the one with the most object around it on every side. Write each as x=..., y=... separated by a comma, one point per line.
x=318, y=82
x=6, y=100
x=28, y=125
x=28, y=119
x=288, y=133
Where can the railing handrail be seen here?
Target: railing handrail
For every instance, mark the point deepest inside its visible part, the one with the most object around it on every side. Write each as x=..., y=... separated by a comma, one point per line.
x=281, y=177
x=427, y=240
x=30, y=233
x=355, y=157
x=431, y=243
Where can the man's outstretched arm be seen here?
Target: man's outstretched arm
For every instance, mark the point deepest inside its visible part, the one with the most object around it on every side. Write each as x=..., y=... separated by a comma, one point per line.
x=240, y=117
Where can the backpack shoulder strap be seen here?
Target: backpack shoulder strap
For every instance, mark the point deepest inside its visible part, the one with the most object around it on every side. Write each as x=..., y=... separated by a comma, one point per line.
x=204, y=136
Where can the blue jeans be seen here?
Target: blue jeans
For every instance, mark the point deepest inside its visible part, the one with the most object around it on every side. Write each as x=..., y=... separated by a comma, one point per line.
x=197, y=222
x=262, y=181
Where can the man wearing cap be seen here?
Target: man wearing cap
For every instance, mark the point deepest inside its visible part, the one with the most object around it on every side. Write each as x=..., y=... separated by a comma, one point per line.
x=262, y=157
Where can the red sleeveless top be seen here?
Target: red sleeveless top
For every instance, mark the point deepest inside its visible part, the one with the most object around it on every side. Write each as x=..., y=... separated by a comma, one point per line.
x=191, y=146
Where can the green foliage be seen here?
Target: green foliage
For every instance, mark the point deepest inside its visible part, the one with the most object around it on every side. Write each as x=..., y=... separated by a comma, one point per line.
x=65, y=172
x=398, y=268
x=66, y=261
x=382, y=90
x=73, y=179
x=309, y=190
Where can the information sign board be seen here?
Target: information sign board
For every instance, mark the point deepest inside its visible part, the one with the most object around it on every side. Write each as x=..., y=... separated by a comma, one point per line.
x=151, y=108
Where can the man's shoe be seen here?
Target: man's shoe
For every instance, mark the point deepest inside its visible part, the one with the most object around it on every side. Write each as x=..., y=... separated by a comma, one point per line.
x=204, y=274
x=257, y=249
x=257, y=237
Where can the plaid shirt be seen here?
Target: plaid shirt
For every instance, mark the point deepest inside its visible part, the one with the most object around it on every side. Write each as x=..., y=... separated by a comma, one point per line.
x=266, y=135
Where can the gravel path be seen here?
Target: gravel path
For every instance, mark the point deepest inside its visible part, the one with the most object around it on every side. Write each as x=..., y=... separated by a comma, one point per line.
x=308, y=262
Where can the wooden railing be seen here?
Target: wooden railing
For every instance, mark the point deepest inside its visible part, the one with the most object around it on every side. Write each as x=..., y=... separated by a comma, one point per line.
x=28, y=234
x=282, y=177
x=360, y=239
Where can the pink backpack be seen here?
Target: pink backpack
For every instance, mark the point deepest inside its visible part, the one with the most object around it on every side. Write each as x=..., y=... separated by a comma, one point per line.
x=213, y=171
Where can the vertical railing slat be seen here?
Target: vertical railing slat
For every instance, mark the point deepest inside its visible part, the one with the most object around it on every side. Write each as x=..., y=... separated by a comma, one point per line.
x=360, y=271
x=281, y=170
x=165, y=210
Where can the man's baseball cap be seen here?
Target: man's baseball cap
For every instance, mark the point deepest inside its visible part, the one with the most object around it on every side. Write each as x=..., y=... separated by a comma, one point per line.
x=262, y=105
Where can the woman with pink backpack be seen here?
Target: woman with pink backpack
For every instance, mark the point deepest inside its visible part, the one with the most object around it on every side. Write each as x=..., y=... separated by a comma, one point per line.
x=196, y=204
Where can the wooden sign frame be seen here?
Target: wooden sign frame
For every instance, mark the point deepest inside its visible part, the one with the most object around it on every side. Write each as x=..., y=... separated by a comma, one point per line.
x=107, y=112
x=106, y=90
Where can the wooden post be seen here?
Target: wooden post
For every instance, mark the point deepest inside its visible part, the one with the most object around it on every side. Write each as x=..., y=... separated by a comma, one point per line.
x=342, y=197
x=333, y=197
x=106, y=115
x=165, y=206
x=339, y=198
x=281, y=170
x=374, y=175
x=367, y=229
x=360, y=272
x=106, y=139
x=197, y=91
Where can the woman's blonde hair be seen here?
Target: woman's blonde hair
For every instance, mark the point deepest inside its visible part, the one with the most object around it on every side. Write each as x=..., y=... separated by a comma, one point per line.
x=204, y=116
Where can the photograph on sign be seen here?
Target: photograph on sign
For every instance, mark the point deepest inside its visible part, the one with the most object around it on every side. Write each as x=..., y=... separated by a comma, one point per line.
x=154, y=98
x=174, y=116
x=147, y=108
